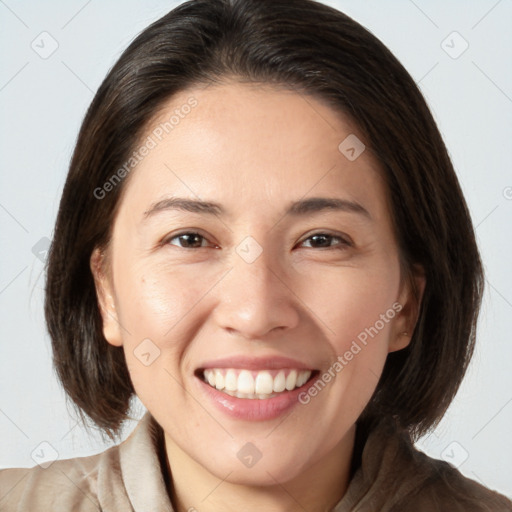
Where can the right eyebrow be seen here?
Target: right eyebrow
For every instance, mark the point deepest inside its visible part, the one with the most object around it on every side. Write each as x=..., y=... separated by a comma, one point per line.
x=186, y=205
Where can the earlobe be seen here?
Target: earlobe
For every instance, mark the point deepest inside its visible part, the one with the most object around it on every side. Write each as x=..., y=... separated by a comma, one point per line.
x=105, y=297
x=400, y=341
x=410, y=300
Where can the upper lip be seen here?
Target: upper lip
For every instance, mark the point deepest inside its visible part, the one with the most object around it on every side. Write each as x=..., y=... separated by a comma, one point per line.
x=256, y=363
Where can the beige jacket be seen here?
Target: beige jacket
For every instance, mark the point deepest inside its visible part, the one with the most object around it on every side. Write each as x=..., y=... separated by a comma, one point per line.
x=393, y=477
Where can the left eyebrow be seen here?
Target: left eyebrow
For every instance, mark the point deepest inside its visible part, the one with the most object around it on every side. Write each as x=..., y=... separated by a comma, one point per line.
x=300, y=208
x=319, y=204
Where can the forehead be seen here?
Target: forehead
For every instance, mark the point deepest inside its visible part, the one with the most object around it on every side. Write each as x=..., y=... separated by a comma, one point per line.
x=252, y=146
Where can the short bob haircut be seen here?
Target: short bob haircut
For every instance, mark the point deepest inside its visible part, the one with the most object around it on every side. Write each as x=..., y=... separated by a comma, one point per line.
x=313, y=49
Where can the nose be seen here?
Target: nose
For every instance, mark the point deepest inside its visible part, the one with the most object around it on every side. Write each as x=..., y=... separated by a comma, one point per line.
x=255, y=299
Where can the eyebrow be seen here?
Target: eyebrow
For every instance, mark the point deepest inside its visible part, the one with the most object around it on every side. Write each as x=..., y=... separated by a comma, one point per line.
x=297, y=208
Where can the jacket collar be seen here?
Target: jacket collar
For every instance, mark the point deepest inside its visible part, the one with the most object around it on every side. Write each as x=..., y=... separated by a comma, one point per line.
x=142, y=473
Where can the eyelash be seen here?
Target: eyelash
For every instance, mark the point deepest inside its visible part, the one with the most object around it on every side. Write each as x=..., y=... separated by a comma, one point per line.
x=344, y=243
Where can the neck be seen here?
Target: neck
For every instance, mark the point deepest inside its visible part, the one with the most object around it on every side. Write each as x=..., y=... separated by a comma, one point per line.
x=317, y=489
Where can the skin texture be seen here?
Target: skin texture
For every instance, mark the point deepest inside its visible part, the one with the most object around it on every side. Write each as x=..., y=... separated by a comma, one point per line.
x=254, y=149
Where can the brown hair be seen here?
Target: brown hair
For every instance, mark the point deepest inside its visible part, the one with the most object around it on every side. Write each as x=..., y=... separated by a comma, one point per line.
x=308, y=47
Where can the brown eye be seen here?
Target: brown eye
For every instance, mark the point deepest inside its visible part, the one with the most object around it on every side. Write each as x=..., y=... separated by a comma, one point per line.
x=324, y=240
x=189, y=240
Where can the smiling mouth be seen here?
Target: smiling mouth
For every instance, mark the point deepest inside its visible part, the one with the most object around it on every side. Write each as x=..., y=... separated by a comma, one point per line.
x=264, y=384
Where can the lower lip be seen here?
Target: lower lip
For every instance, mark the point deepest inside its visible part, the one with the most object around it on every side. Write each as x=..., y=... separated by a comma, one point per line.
x=253, y=409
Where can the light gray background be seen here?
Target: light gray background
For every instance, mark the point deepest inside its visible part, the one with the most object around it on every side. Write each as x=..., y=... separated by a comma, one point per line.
x=42, y=104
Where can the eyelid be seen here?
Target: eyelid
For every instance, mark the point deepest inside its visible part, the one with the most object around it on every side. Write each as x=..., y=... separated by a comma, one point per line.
x=191, y=231
x=345, y=240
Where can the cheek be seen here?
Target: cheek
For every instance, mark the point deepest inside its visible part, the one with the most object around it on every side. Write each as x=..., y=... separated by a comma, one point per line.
x=154, y=300
x=349, y=301
x=155, y=304
x=355, y=307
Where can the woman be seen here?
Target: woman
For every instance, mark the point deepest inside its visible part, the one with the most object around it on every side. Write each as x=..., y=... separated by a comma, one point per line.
x=263, y=238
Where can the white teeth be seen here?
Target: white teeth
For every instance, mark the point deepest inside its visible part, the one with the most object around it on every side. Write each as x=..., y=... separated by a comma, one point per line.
x=279, y=382
x=246, y=382
x=219, y=379
x=302, y=378
x=291, y=380
x=264, y=383
x=230, y=381
x=251, y=385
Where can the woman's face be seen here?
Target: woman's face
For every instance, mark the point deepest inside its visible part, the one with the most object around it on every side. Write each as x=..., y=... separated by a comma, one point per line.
x=225, y=273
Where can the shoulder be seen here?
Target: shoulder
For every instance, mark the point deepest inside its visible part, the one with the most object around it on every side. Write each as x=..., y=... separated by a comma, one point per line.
x=72, y=483
x=127, y=476
x=442, y=486
x=397, y=477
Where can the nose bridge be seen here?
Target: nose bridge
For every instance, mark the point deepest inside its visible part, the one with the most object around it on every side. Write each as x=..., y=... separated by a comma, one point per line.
x=254, y=298
x=259, y=277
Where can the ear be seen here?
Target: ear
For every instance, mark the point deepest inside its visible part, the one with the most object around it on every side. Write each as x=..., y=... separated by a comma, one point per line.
x=407, y=307
x=105, y=295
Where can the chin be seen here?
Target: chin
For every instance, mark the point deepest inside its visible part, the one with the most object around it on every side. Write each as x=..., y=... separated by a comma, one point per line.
x=266, y=461
x=272, y=471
